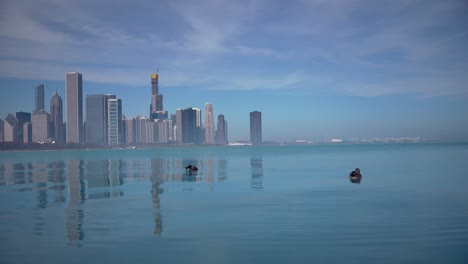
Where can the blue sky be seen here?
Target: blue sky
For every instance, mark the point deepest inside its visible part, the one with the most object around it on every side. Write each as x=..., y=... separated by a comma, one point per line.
x=316, y=69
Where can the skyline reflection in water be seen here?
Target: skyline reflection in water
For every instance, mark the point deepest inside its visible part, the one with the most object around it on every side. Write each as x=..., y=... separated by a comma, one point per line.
x=72, y=183
x=265, y=204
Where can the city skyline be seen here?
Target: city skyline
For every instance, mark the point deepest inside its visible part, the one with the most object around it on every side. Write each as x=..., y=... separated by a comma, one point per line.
x=320, y=70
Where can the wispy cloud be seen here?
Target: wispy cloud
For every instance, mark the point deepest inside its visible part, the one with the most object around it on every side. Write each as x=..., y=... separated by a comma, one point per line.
x=349, y=47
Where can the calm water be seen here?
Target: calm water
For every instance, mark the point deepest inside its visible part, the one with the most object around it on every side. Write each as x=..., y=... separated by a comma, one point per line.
x=245, y=205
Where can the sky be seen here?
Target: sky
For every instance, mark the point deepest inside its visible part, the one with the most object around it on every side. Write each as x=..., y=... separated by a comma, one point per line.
x=316, y=69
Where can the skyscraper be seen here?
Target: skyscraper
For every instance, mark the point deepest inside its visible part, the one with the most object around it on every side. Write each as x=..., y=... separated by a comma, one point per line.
x=209, y=124
x=27, y=133
x=178, y=135
x=1, y=130
x=189, y=125
x=56, y=118
x=96, y=118
x=140, y=129
x=74, y=94
x=199, y=133
x=256, y=128
x=114, y=121
x=40, y=126
x=22, y=117
x=221, y=132
x=130, y=128
x=10, y=129
x=39, y=98
x=156, y=98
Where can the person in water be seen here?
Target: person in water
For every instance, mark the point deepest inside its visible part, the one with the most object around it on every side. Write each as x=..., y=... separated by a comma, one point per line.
x=355, y=173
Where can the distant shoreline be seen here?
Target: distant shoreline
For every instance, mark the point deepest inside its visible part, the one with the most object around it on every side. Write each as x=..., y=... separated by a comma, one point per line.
x=10, y=146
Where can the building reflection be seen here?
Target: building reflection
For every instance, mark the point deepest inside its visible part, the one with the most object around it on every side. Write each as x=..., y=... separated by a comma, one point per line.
x=209, y=171
x=73, y=182
x=104, y=178
x=256, y=167
x=76, y=196
x=158, y=176
x=222, y=170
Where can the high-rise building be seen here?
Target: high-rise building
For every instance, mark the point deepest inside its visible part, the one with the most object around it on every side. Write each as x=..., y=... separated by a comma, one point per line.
x=178, y=135
x=39, y=98
x=96, y=118
x=130, y=128
x=10, y=129
x=172, y=135
x=22, y=117
x=1, y=130
x=56, y=118
x=40, y=126
x=124, y=129
x=114, y=121
x=74, y=97
x=221, y=132
x=27, y=133
x=199, y=133
x=209, y=124
x=140, y=129
x=256, y=128
x=156, y=98
x=189, y=125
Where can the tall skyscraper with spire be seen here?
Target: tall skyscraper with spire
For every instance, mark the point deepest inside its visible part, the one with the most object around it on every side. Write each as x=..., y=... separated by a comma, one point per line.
x=209, y=124
x=56, y=118
x=156, y=106
x=74, y=94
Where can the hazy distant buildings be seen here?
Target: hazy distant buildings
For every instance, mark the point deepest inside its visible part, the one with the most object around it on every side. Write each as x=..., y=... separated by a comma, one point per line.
x=56, y=118
x=114, y=121
x=40, y=126
x=105, y=123
x=256, y=128
x=39, y=98
x=221, y=131
x=74, y=97
x=209, y=124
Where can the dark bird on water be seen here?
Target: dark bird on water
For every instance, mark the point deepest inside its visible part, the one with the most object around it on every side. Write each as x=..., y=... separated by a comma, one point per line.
x=191, y=168
x=355, y=176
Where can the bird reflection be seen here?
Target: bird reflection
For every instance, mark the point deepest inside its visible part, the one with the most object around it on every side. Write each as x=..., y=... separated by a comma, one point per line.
x=256, y=166
x=355, y=179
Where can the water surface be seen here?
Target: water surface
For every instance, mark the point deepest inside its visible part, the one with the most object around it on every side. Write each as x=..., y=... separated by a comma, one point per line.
x=244, y=205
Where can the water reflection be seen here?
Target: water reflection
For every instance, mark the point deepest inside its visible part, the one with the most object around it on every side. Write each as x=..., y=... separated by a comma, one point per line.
x=355, y=179
x=76, y=194
x=70, y=183
x=256, y=166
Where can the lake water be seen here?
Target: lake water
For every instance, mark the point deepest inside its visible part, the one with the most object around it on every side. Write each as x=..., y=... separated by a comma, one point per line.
x=270, y=204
